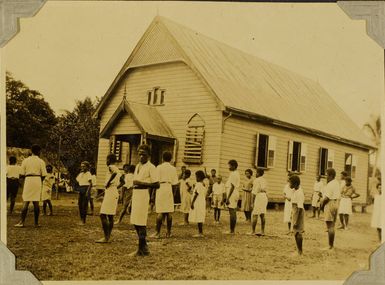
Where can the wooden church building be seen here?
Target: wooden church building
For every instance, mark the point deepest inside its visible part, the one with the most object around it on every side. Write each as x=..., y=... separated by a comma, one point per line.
x=207, y=103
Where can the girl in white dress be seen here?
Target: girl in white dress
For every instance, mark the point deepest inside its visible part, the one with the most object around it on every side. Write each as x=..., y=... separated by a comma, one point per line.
x=110, y=199
x=376, y=215
x=46, y=191
x=198, y=203
x=185, y=187
x=34, y=171
x=287, y=211
x=232, y=193
x=260, y=201
x=316, y=199
x=348, y=193
x=218, y=195
x=164, y=198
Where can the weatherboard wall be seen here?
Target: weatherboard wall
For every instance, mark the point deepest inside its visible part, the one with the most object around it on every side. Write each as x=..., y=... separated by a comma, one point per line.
x=239, y=142
x=185, y=96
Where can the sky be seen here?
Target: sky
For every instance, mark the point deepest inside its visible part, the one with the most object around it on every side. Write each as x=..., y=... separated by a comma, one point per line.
x=71, y=50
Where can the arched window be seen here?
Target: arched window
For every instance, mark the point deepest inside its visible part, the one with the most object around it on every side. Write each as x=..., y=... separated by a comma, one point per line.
x=193, y=149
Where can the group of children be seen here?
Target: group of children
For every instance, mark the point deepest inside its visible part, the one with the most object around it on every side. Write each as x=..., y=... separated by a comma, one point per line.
x=137, y=182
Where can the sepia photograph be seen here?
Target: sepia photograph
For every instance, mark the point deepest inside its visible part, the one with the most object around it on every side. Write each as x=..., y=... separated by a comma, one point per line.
x=188, y=141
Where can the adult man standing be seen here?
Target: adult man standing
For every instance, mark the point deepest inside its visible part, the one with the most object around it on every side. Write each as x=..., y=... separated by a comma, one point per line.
x=145, y=177
x=34, y=171
x=330, y=204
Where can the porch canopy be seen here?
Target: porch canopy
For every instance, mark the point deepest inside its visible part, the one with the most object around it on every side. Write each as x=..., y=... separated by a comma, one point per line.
x=147, y=118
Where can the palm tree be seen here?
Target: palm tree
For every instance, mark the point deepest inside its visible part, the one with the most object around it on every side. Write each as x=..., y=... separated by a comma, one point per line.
x=373, y=128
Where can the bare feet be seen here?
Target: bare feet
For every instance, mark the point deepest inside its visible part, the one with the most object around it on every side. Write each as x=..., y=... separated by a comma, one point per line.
x=19, y=225
x=102, y=240
x=155, y=235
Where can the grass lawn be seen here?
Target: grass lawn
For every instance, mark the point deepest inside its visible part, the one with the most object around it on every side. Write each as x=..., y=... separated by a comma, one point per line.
x=62, y=250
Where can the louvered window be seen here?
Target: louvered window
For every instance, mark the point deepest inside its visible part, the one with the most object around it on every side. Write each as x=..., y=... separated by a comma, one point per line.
x=194, y=141
x=116, y=147
x=156, y=96
x=326, y=160
x=297, y=156
x=350, y=164
x=265, y=151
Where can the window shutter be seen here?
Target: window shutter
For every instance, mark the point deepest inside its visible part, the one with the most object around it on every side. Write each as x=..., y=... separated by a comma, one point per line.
x=330, y=158
x=320, y=162
x=256, y=150
x=290, y=156
x=194, y=145
x=112, y=144
x=116, y=147
x=354, y=165
x=303, y=159
x=118, y=150
x=271, y=151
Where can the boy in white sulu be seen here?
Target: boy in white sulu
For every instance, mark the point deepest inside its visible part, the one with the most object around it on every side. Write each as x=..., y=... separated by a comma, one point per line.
x=232, y=193
x=145, y=177
x=330, y=204
x=298, y=199
x=164, y=198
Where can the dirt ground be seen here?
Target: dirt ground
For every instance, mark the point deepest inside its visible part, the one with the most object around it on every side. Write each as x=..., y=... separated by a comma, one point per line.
x=63, y=250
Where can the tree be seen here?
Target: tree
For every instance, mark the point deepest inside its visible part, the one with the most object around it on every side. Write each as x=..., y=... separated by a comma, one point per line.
x=373, y=128
x=29, y=117
x=76, y=136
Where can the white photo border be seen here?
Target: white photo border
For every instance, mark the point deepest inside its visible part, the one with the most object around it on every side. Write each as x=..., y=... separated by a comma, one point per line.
x=10, y=12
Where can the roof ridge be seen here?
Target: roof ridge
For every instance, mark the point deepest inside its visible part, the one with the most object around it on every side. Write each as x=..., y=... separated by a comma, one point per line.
x=164, y=20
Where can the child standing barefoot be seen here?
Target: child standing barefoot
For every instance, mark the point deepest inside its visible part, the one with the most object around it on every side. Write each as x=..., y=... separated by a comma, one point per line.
x=348, y=193
x=297, y=201
x=128, y=180
x=185, y=188
x=164, y=199
x=93, y=192
x=247, y=199
x=287, y=212
x=84, y=180
x=110, y=199
x=218, y=195
x=46, y=190
x=13, y=181
x=198, y=203
x=232, y=193
x=316, y=199
x=260, y=201
x=376, y=215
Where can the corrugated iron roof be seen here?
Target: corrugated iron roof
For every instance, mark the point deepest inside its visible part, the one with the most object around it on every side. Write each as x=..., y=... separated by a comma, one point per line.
x=147, y=118
x=150, y=120
x=248, y=83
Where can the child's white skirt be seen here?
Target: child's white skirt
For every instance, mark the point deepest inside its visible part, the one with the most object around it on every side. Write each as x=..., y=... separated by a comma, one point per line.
x=316, y=199
x=287, y=212
x=164, y=199
x=139, y=206
x=198, y=214
x=260, y=204
x=110, y=201
x=376, y=215
x=32, y=189
x=345, y=206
